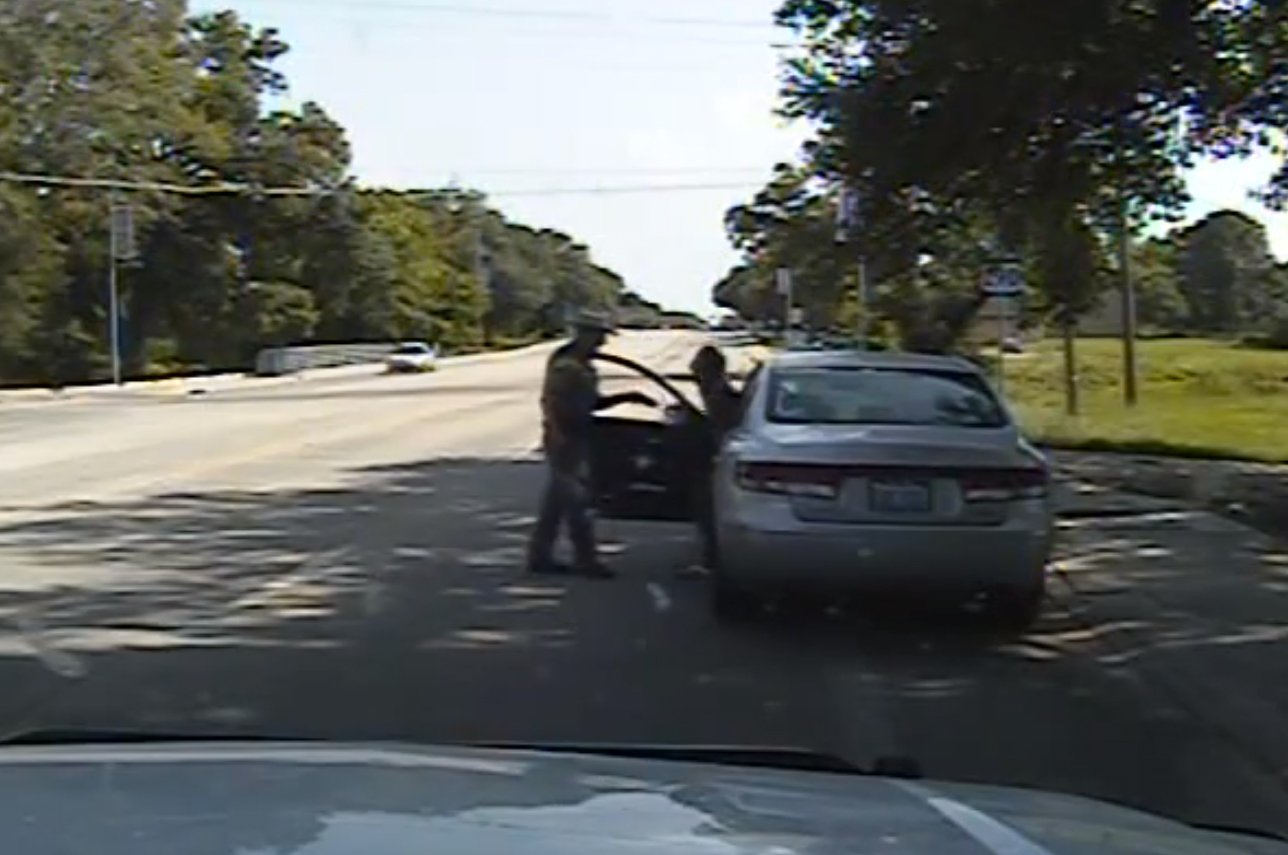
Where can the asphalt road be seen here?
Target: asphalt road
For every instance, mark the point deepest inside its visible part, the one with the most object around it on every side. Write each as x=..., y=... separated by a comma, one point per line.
x=342, y=558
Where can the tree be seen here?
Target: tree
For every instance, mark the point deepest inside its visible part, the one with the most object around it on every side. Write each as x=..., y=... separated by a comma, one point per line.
x=1229, y=277
x=29, y=271
x=928, y=265
x=90, y=88
x=1052, y=112
x=1160, y=303
x=136, y=91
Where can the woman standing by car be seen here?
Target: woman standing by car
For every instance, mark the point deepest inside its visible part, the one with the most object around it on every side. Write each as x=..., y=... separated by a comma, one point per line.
x=723, y=406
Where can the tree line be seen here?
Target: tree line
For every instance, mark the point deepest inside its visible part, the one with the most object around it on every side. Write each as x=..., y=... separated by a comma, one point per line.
x=1058, y=133
x=1216, y=277
x=144, y=92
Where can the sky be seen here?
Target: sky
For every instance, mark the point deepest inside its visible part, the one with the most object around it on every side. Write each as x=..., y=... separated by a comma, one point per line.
x=555, y=107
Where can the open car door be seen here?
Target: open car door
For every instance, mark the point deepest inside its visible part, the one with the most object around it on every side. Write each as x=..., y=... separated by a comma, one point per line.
x=644, y=469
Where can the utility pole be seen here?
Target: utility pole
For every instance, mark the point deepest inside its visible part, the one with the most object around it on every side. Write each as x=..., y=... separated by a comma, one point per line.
x=114, y=312
x=1127, y=287
x=1128, y=302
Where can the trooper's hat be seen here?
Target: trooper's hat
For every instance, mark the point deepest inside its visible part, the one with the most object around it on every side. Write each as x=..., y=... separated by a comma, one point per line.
x=589, y=320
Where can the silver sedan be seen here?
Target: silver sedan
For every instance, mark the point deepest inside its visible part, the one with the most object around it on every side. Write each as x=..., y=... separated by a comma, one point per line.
x=848, y=472
x=872, y=470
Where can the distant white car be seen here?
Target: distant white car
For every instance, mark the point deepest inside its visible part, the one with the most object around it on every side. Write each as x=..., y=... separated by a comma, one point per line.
x=412, y=358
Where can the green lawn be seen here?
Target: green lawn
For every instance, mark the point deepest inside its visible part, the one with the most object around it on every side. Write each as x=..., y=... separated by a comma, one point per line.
x=1197, y=397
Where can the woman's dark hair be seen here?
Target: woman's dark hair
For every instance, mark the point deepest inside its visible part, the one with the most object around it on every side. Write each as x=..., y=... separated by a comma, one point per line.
x=708, y=359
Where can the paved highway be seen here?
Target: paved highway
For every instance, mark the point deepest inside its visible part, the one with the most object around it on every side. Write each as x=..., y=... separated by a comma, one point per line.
x=341, y=557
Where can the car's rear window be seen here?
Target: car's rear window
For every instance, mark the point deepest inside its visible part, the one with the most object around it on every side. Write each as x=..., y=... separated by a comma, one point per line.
x=412, y=349
x=882, y=396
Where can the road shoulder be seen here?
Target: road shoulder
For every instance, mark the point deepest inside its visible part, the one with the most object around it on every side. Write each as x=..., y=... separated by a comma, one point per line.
x=1193, y=606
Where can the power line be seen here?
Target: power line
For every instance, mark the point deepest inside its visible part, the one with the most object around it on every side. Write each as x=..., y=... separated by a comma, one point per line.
x=222, y=188
x=231, y=188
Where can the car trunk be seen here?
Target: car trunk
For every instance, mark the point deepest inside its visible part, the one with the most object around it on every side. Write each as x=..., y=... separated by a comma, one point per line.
x=897, y=474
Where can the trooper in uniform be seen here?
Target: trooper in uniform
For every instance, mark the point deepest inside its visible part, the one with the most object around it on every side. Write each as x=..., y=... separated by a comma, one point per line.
x=569, y=400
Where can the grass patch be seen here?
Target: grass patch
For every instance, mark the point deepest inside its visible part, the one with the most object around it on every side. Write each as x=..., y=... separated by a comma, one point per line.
x=1198, y=398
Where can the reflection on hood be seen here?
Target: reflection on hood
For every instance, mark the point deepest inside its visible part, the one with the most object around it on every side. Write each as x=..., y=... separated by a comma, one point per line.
x=245, y=799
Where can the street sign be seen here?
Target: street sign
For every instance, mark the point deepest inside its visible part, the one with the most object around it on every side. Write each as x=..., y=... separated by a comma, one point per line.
x=783, y=278
x=1003, y=280
x=123, y=246
x=849, y=215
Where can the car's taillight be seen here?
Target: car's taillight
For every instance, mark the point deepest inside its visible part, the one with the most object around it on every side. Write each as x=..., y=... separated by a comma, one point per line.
x=787, y=479
x=1004, y=485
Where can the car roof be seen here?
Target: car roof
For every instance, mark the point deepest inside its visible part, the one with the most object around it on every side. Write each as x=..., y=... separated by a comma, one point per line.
x=872, y=359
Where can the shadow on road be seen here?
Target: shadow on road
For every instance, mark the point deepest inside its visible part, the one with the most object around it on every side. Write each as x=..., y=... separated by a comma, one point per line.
x=393, y=606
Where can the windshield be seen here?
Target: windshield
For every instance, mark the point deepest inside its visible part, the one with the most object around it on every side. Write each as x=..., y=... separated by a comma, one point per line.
x=882, y=396
x=307, y=427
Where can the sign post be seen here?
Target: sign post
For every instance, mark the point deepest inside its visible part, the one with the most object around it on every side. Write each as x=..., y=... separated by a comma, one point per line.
x=783, y=280
x=121, y=248
x=1003, y=282
x=849, y=219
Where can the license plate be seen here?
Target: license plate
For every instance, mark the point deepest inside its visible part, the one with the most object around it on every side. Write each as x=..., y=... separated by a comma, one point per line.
x=900, y=497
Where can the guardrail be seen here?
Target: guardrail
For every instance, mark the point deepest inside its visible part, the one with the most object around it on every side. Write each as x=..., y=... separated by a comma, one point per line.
x=277, y=361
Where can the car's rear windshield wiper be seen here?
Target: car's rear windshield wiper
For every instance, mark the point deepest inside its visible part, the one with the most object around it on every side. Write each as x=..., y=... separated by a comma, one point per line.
x=794, y=759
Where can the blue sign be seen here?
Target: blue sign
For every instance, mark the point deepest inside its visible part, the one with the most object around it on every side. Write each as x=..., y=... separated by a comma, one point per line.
x=1004, y=281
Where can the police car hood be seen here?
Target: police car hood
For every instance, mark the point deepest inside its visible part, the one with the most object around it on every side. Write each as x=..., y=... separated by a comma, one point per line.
x=254, y=799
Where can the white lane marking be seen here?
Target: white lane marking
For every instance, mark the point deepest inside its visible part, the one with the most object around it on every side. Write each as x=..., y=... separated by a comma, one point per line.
x=995, y=836
x=661, y=599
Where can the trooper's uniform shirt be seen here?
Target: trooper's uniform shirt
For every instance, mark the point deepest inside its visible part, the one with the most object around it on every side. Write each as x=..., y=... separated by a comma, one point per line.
x=568, y=397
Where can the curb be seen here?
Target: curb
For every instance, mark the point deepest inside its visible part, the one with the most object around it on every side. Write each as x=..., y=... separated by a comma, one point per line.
x=1253, y=494
x=210, y=384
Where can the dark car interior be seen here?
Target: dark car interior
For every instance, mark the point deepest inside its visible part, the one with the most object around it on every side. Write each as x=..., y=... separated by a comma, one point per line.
x=644, y=468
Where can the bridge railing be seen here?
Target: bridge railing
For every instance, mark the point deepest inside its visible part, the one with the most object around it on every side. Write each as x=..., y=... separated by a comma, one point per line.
x=278, y=361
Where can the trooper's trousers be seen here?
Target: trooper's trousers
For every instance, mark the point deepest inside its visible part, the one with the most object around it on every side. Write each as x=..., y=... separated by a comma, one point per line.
x=565, y=500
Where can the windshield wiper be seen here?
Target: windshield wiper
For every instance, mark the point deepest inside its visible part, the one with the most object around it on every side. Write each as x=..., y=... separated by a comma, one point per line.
x=793, y=759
